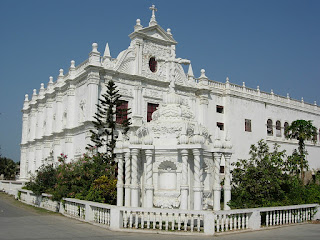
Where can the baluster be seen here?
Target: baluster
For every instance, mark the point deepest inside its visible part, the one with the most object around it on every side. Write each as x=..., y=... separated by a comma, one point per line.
x=235, y=222
x=136, y=218
x=192, y=222
x=243, y=220
x=130, y=219
x=154, y=220
x=148, y=221
x=227, y=223
x=185, y=224
x=142, y=220
x=167, y=221
x=179, y=221
x=281, y=217
x=173, y=220
x=274, y=218
x=267, y=219
x=289, y=216
x=160, y=221
x=247, y=221
x=222, y=222
x=198, y=222
x=231, y=216
x=239, y=221
x=218, y=223
x=125, y=219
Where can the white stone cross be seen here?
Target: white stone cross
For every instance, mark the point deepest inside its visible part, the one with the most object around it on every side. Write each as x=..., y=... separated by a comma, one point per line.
x=153, y=17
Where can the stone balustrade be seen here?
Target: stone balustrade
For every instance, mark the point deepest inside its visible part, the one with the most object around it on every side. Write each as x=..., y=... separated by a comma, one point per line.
x=174, y=220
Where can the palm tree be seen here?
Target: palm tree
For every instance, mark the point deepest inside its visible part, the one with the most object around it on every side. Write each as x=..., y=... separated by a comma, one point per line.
x=302, y=130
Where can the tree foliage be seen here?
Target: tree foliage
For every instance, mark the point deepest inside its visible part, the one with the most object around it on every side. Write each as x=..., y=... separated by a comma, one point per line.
x=266, y=179
x=301, y=130
x=8, y=168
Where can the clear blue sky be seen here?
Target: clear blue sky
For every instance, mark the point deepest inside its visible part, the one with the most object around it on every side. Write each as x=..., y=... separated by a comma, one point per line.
x=274, y=44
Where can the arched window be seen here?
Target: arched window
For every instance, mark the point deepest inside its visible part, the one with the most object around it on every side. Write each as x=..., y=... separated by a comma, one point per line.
x=285, y=126
x=153, y=64
x=278, y=128
x=269, y=127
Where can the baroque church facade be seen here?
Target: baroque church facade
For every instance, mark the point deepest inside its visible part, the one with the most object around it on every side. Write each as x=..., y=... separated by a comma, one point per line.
x=185, y=132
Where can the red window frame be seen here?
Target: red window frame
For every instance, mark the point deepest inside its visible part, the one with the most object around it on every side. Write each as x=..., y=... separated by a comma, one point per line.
x=151, y=108
x=122, y=112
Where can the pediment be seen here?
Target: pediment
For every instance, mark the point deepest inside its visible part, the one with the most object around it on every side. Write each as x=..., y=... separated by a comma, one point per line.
x=155, y=33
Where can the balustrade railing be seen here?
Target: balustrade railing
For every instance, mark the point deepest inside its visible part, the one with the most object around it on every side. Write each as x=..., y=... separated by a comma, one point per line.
x=161, y=219
x=174, y=220
x=286, y=215
x=228, y=221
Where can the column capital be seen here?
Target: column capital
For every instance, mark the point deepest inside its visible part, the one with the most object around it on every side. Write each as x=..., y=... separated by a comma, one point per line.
x=217, y=154
x=135, y=151
x=227, y=155
x=184, y=152
x=196, y=151
x=148, y=152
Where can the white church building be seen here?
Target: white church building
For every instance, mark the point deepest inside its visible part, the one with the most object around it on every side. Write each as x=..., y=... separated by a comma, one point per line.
x=185, y=132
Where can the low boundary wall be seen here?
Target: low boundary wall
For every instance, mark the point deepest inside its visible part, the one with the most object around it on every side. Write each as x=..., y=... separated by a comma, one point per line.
x=173, y=220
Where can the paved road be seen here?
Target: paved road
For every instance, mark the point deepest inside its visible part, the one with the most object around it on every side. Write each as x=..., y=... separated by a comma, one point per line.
x=20, y=221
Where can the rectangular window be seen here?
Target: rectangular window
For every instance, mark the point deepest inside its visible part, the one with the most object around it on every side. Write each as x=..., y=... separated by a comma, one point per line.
x=122, y=112
x=221, y=169
x=219, y=109
x=220, y=125
x=151, y=108
x=247, y=125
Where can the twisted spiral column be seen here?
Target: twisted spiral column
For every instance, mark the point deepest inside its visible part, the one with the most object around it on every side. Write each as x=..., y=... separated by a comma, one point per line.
x=216, y=184
x=184, y=180
x=134, y=180
x=197, y=189
x=227, y=181
x=127, y=179
x=120, y=180
x=149, y=182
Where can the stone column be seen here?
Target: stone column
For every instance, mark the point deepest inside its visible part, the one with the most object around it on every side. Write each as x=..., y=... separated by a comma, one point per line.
x=49, y=117
x=33, y=124
x=69, y=146
x=184, y=180
x=39, y=133
x=71, y=107
x=23, y=163
x=227, y=181
x=25, y=124
x=149, y=178
x=93, y=93
x=120, y=180
x=58, y=121
x=216, y=184
x=127, y=186
x=197, y=188
x=135, y=180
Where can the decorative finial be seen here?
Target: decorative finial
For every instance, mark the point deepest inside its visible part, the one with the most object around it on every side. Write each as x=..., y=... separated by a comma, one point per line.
x=138, y=25
x=169, y=31
x=26, y=98
x=315, y=103
x=272, y=92
x=107, y=52
x=153, y=17
x=227, y=80
x=34, y=92
x=61, y=72
x=190, y=71
x=302, y=100
x=203, y=73
x=288, y=96
x=72, y=64
x=243, y=84
x=258, y=88
x=50, y=79
x=94, y=47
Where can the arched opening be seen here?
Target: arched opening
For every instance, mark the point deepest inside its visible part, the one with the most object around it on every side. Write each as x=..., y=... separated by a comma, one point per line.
x=278, y=128
x=153, y=64
x=269, y=128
